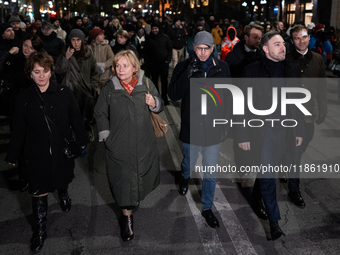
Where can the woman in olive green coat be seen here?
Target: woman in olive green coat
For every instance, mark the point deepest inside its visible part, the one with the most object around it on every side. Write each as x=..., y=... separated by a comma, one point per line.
x=124, y=124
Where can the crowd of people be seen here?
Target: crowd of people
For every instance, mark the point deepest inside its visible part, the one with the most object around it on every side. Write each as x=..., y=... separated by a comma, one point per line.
x=68, y=74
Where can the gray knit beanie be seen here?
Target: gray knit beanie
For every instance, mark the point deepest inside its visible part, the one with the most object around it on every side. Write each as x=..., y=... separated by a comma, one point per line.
x=77, y=33
x=14, y=19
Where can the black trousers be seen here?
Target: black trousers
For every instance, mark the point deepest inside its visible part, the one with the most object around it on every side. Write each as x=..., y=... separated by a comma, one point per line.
x=163, y=71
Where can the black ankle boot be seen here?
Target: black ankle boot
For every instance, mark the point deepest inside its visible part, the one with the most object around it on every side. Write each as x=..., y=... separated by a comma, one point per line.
x=39, y=206
x=126, y=227
x=65, y=201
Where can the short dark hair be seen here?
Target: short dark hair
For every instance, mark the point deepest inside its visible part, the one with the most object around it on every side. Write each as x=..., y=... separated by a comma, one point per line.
x=37, y=43
x=297, y=28
x=267, y=36
x=42, y=59
x=249, y=27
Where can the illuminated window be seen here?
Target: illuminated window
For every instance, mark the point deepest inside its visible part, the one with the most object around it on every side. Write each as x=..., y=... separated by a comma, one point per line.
x=309, y=6
x=291, y=7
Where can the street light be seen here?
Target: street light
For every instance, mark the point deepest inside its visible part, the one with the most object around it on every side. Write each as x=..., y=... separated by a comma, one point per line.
x=6, y=3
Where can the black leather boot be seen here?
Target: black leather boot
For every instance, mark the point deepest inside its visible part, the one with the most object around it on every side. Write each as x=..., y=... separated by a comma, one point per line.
x=126, y=227
x=65, y=200
x=275, y=230
x=39, y=206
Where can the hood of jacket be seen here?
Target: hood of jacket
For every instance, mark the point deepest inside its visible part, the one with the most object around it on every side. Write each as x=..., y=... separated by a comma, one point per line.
x=227, y=34
x=94, y=43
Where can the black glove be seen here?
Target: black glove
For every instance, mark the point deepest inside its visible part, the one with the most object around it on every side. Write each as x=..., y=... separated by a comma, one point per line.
x=321, y=119
x=195, y=66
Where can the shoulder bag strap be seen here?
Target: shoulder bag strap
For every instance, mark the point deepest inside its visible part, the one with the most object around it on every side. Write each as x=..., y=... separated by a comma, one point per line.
x=46, y=117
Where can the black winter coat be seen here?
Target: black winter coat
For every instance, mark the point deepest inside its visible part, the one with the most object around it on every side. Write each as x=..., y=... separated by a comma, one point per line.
x=180, y=88
x=238, y=58
x=52, y=44
x=312, y=66
x=158, y=49
x=262, y=100
x=14, y=67
x=177, y=36
x=45, y=162
x=127, y=46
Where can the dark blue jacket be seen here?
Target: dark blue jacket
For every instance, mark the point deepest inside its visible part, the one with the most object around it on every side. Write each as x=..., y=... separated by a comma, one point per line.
x=180, y=88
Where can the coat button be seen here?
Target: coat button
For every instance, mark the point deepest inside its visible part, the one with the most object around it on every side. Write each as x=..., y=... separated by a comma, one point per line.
x=301, y=71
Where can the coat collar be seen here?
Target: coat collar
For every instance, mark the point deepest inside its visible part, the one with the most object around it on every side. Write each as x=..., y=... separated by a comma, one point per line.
x=116, y=82
x=296, y=55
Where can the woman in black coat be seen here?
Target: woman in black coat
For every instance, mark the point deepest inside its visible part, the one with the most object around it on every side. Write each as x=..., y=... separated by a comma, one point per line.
x=123, y=43
x=43, y=145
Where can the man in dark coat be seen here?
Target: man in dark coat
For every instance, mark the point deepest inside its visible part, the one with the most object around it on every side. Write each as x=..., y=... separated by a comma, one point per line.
x=246, y=51
x=177, y=36
x=196, y=128
x=268, y=143
x=7, y=37
x=15, y=23
x=312, y=66
x=158, y=53
x=52, y=44
x=8, y=48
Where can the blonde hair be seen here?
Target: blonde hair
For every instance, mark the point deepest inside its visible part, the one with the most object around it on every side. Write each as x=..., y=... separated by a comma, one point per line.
x=130, y=56
x=123, y=33
x=119, y=25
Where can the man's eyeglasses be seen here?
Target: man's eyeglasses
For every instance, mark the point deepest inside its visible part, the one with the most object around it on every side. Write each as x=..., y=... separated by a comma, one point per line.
x=201, y=49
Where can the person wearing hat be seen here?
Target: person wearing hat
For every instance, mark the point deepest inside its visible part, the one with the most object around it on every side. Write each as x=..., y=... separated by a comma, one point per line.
x=9, y=47
x=190, y=48
x=102, y=53
x=15, y=23
x=319, y=43
x=52, y=44
x=7, y=38
x=33, y=29
x=77, y=69
x=158, y=53
x=206, y=27
x=58, y=30
x=196, y=129
x=177, y=36
x=79, y=25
